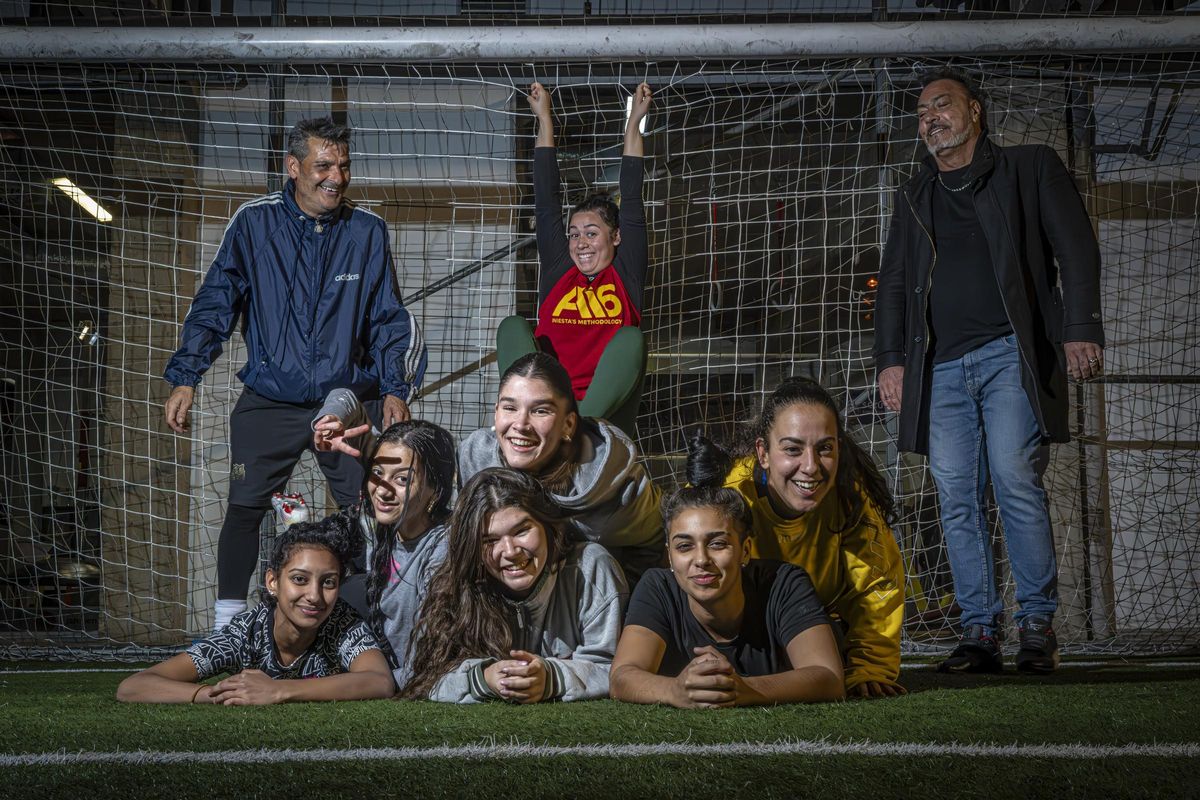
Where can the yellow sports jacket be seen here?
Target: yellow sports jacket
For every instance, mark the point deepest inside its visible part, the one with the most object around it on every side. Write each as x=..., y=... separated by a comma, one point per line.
x=856, y=569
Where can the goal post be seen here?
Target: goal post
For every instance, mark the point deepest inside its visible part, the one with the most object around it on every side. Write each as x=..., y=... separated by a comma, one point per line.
x=770, y=164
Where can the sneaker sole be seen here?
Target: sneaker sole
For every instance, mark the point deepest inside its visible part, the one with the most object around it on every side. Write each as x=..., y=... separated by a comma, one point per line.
x=969, y=669
x=1037, y=667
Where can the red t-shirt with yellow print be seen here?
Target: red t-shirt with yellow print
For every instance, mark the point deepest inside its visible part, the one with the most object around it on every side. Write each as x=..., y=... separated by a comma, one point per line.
x=578, y=316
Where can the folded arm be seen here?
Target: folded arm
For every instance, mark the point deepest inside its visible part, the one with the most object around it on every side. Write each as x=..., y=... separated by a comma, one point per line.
x=173, y=681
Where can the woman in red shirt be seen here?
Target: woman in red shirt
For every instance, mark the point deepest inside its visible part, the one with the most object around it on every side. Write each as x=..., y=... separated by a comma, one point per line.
x=591, y=280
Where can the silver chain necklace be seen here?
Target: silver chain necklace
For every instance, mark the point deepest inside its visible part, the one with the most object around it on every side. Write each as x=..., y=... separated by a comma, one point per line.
x=959, y=189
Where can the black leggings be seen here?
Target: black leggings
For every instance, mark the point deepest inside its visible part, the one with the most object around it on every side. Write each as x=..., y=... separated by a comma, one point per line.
x=237, y=551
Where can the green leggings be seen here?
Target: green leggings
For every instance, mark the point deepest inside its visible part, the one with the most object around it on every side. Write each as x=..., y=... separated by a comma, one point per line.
x=616, y=389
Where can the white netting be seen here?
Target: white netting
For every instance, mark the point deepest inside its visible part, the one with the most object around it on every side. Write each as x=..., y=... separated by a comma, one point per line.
x=768, y=186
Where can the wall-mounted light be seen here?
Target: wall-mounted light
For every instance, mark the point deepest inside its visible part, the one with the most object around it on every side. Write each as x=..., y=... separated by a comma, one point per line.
x=82, y=199
x=88, y=332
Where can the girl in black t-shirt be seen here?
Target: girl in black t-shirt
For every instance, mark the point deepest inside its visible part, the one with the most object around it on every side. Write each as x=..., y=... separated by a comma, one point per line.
x=719, y=630
x=301, y=643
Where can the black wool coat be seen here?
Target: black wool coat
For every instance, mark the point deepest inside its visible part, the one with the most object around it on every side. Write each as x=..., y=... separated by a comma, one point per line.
x=1047, y=265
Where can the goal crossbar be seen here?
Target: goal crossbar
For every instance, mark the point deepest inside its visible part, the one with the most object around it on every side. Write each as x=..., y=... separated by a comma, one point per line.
x=496, y=43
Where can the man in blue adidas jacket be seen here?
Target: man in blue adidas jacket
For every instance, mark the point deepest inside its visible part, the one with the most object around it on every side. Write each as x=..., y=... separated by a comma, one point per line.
x=310, y=276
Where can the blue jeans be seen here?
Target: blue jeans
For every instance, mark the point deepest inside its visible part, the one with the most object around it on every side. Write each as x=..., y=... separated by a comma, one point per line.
x=982, y=425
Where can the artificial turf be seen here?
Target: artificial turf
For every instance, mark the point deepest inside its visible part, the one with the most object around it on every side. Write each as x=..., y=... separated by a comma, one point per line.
x=1116, y=704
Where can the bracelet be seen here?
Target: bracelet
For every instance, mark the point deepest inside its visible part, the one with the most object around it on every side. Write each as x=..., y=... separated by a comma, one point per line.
x=196, y=693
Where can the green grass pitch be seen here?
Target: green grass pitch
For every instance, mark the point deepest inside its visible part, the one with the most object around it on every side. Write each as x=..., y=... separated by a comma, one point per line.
x=1025, y=729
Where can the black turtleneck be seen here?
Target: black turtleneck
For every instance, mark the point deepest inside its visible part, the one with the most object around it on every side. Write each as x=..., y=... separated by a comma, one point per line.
x=965, y=307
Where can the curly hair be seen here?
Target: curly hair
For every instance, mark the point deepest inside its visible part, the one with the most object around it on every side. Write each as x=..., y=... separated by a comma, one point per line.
x=463, y=614
x=337, y=533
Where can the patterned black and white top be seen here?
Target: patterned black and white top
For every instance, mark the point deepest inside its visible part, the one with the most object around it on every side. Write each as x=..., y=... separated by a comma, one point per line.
x=247, y=642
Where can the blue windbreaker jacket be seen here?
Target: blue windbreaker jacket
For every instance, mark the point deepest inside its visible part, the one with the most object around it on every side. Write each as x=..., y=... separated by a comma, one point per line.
x=318, y=301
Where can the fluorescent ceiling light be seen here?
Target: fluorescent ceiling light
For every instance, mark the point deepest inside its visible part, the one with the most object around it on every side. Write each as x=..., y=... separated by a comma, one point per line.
x=82, y=199
x=629, y=111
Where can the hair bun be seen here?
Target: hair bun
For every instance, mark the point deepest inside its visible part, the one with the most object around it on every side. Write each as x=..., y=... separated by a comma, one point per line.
x=707, y=462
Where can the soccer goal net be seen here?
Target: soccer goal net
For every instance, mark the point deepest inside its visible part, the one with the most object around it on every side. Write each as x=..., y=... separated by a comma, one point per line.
x=768, y=192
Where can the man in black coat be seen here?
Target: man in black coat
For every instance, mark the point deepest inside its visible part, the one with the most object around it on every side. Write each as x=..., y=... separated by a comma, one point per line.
x=974, y=339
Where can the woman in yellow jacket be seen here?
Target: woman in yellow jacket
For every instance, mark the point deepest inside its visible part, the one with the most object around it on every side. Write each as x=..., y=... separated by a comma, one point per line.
x=819, y=501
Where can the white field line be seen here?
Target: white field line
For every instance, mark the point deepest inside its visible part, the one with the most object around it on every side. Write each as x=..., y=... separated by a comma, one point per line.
x=64, y=670
x=1066, y=665
x=489, y=752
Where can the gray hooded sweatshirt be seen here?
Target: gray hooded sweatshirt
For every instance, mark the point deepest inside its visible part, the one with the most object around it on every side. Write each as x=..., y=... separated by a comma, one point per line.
x=413, y=561
x=572, y=620
x=611, y=500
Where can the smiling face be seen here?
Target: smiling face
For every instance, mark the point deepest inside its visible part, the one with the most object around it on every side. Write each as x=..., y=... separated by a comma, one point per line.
x=305, y=589
x=321, y=177
x=800, y=458
x=397, y=488
x=948, y=122
x=592, y=243
x=707, y=555
x=515, y=549
x=531, y=423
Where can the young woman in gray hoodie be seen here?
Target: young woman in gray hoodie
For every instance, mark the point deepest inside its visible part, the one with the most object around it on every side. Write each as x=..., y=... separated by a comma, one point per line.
x=590, y=467
x=516, y=611
x=408, y=488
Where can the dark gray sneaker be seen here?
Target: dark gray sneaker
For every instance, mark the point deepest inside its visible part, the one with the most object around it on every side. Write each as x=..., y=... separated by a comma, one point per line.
x=1039, y=646
x=978, y=651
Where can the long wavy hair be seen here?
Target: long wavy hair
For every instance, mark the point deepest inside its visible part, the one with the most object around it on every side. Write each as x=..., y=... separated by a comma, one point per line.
x=858, y=479
x=434, y=452
x=463, y=614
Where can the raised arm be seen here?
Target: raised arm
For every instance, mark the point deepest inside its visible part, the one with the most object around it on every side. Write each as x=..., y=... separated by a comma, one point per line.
x=539, y=103
x=633, y=126
x=554, y=257
x=633, y=257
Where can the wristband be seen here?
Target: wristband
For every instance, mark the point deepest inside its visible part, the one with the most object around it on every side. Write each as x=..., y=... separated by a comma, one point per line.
x=196, y=693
